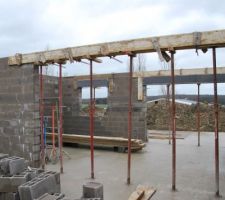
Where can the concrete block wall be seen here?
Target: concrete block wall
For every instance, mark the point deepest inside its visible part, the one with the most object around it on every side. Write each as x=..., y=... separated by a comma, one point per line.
x=73, y=123
x=71, y=97
x=115, y=121
x=50, y=97
x=19, y=111
x=116, y=117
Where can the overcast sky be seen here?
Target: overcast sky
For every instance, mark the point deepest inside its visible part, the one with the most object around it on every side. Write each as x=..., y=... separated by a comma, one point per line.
x=34, y=25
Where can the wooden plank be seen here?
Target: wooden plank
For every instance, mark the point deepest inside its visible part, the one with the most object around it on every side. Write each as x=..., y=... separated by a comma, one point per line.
x=140, y=89
x=161, y=137
x=149, y=192
x=178, y=72
x=142, y=192
x=137, y=194
x=101, y=141
x=95, y=76
x=179, y=41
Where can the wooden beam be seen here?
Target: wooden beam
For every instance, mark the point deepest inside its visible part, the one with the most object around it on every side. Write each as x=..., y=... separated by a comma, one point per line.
x=178, y=72
x=140, y=89
x=142, y=192
x=95, y=76
x=180, y=41
x=101, y=141
x=137, y=194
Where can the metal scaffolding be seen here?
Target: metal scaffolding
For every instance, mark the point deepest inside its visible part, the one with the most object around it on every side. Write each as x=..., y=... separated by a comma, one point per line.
x=42, y=110
x=198, y=114
x=173, y=43
x=216, y=128
x=130, y=119
x=91, y=112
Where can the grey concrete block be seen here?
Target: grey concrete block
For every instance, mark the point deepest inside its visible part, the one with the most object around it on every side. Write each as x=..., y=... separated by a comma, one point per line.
x=2, y=155
x=47, y=196
x=32, y=173
x=9, y=196
x=12, y=165
x=46, y=182
x=93, y=190
x=11, y=183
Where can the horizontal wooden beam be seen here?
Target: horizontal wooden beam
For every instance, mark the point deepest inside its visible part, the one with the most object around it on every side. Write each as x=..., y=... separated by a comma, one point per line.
x=151, y=44
x=180, y=72
x=157, y=73
x=102, y=141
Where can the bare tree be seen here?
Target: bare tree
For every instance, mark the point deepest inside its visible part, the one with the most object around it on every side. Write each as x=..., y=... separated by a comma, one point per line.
x=163, y=89
x=164, y=66
x=140, y=64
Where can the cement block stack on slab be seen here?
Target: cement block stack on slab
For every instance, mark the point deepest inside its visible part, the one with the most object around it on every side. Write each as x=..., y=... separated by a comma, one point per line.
x=11, y=183
x=91, y=191
x=46, y=182
x=47, y=196
x=19, y=182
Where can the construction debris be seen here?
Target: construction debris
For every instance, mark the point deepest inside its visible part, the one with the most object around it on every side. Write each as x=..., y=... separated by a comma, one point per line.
x=158, y=116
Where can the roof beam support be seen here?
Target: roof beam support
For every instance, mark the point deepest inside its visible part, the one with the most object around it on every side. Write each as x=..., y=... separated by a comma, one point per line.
x=177, y=42
x=158, y=73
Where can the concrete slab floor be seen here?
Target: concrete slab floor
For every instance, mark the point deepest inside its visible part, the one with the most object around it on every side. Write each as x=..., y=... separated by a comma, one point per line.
x=152, y=166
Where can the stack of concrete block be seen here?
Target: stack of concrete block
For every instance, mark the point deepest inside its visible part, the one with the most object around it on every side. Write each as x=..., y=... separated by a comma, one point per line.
x=91, y=191
x=47, y=196
x=56, y=196
x=46, y=182
x=12, y=174
x=89, y=199
x=20, y=182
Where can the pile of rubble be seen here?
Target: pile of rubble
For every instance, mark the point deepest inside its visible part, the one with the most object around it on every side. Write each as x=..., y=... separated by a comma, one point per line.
x=20, y=182
x=158, y=117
